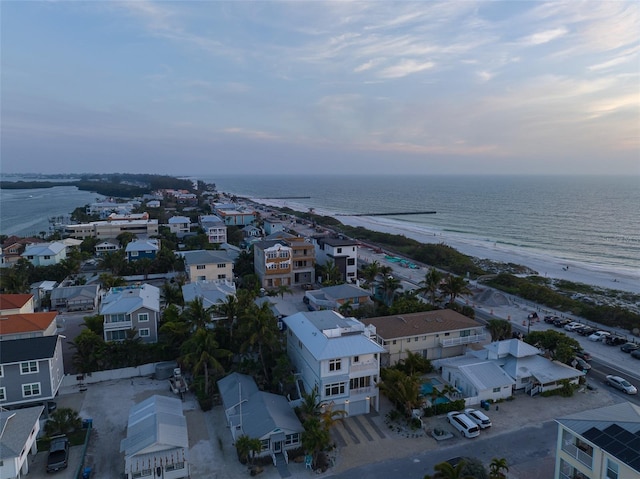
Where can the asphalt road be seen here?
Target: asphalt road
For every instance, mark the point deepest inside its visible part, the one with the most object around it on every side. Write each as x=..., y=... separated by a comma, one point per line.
x=528, y=448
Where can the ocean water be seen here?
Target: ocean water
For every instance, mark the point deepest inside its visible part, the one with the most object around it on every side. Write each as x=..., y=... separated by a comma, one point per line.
x=27, y=212
x=581, y=220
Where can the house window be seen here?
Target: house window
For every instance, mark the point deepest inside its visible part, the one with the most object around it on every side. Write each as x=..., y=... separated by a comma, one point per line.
x=351, y=261
x=201, y=266
x=117, y=318
x=118, y=335
x=335, y=364
x=265, y=444
x=29, y=367
x=496, y=390
x=284, y=265
x=465, y=333
x=1, y=371
x=201, y=278
x=356, y=359
x=416, y=339
x=143, y=317
x=144, y=333
x=393, y=342
x=284, y=254
x=134, y=253
x=292, y=439
x=222, y=265
x=47, y=257
x=299, y=344
x=175, y=466
x=142, y=473
x=358, y=383
x=339, y=250
x=29, y=390
x=222, y=276
x=272, y=266
x=3, y=394
x=334, y=389
x=272, y=254
x=408, y=340
x=612, y=469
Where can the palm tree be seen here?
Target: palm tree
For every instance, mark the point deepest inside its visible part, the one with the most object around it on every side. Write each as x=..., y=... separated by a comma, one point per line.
x=401, y=389
x=346, y=308
x=496, y=467
x=311, y=404
x=499, y=329
x=315, y=437
x=246, y=446
x=331, y=273
x=282, y=289
x=330, y=416
x=262, y=333
x=172, y=294
x=444, y=470
x=197, y=315
x=370, y=273
x=229, y=308
x=63, y=421
x=455, y=286
x=390, y=285
x=431, y=284
x=201, y=354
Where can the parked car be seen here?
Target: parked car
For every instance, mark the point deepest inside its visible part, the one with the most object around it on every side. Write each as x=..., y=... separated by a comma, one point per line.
x=549, y=319
x=599, y=336
x=572, y=326
x=586, y=330
x=561, y=322
x=613, y=340
x=478, y=417
x=636, y=354
x=629, y=347
x=621, y=384
x=463, y=423
x=581, y=353
x=580, y=364
x=58, y=457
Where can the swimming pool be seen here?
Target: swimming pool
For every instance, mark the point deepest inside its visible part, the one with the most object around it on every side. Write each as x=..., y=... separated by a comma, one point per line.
x=427, y=387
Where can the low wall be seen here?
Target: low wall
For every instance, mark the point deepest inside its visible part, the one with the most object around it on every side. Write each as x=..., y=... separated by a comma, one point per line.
x=71, y=380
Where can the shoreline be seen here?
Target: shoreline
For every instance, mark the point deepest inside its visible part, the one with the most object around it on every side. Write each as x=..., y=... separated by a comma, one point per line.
x=545, y=264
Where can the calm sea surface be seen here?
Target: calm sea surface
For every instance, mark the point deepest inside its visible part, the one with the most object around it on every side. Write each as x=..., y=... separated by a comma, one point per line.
x=27, y=212
x=593, y=221
x=590, y=220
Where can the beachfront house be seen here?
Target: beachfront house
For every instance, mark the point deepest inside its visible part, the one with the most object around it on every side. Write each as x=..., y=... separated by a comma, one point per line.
x=431, y=334
x=337, y=356
x=31, y=370
x=335, y=297
x=157, y=442
x=343, y=253
x=131, y=311
x=19, y=431
x=477, y=380
x=599, y=443
x=523, y=363
x=208, y=265
x=107, y=246
x=235, y=215
x=45, y=254
x=272, y=225
x=260, y=415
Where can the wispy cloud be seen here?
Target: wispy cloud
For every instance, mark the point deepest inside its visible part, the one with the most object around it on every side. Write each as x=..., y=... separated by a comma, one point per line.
x=546, y=36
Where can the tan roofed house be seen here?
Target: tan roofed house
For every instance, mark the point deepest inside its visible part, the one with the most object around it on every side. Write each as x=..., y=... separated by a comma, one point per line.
x=16, y=303
x=431, y=334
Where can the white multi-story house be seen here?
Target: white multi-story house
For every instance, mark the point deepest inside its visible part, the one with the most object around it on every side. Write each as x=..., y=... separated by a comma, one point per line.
x=179, y=225
x=601, y=443
x=343, y=252
x=214, y=228
x=131, y=308
x=336, y=355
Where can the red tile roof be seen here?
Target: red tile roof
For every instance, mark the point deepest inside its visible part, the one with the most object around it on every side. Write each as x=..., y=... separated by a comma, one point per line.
x=14, y=301
x=25, y=323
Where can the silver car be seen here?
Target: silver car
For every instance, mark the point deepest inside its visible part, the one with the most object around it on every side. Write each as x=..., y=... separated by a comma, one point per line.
x=621, y=384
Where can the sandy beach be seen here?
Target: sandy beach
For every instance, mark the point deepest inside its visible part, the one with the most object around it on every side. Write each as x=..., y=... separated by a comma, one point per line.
x=545, y=265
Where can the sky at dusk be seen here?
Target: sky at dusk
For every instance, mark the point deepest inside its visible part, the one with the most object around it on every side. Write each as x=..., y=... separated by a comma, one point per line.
x=314, y=87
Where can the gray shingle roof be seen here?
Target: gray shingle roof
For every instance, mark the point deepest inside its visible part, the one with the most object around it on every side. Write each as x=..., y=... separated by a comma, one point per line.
x=15, y=428
x=29, y=349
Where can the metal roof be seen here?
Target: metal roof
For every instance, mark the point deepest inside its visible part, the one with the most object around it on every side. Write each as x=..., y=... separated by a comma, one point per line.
x=206, y=257
x=130, y=298
x=29, y=349
x=15, y=429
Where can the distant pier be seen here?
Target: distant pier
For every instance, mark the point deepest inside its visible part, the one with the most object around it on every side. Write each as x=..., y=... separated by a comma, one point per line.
x=286, y=197
x=397, y=213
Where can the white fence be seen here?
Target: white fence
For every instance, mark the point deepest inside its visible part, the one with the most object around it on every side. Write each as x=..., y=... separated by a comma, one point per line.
x=71, y=380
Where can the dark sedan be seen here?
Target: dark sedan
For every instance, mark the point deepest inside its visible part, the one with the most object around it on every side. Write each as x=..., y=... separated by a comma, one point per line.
x=636, y=354
x=629, y=347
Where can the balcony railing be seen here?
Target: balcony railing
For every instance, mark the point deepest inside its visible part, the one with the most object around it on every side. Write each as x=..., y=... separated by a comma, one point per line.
x=577, y=453
x=118, y=325
x=476, y=338
x=363, y=366
x=355, y=392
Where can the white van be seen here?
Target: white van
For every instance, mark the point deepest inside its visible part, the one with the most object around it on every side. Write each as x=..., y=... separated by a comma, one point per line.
x=464, y=424
x=478, y=417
